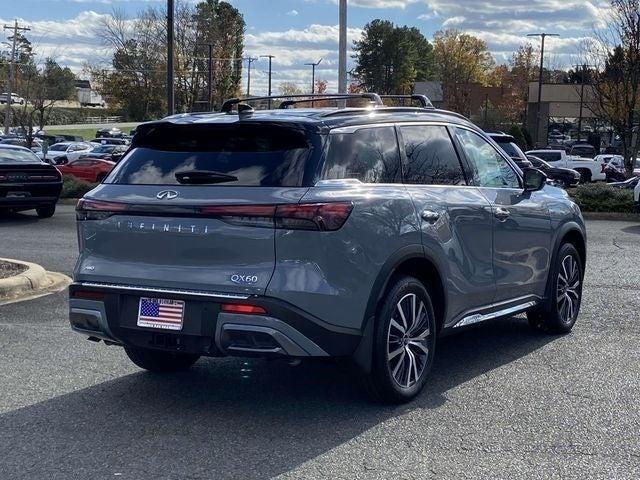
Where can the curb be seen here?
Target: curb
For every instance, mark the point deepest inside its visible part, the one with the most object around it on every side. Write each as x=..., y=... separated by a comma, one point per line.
x=616, y=216
x=33, y=280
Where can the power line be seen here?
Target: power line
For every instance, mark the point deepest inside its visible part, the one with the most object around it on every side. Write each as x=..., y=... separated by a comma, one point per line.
x=7, y=110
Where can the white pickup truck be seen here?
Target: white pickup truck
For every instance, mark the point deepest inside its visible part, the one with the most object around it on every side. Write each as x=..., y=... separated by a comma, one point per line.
x=590, y=170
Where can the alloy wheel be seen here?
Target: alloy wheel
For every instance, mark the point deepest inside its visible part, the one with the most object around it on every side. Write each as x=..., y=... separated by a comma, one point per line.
x=568, y=289
x=408, y=340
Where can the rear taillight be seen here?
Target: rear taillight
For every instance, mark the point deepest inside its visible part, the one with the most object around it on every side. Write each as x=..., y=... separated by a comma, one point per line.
x=88, y=209
x=88, y=295
x=326, y=217
x=323, y=217
x=242, y=309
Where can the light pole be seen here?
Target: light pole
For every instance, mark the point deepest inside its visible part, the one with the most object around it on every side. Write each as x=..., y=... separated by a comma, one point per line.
x=313, y=74
x=543, y=36
x=584, y=68
x=342, y=48
x=270, y=57
x=170, y=99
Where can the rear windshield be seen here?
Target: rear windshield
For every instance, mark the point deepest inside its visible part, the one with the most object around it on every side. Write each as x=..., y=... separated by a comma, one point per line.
x=10, y=155
x=511, y=149
x=242, y=155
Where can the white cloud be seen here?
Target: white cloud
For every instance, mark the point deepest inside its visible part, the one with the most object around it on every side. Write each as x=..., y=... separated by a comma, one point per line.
x=292, y=13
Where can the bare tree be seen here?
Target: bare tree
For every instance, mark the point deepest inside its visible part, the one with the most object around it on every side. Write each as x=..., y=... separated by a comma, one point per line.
x=615, y=51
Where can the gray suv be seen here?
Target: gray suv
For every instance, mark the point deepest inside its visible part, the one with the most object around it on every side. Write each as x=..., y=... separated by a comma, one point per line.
x=362, y=232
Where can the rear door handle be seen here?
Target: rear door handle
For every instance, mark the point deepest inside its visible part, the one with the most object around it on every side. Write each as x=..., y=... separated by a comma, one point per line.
x=430, y=216
x=502, y=213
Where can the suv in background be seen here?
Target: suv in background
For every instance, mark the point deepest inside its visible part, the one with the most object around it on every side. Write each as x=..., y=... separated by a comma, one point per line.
x=318, y=232
x=511, y=148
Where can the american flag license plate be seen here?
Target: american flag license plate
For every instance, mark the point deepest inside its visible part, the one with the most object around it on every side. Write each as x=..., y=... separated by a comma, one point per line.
x=161, y=313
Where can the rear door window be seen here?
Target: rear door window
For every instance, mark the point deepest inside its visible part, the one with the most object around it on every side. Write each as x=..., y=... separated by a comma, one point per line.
x=431, y=157
x=227, y=155
x=370, y=155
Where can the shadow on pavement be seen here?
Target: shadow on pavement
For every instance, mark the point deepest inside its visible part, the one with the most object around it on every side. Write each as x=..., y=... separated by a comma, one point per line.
x=228, y=418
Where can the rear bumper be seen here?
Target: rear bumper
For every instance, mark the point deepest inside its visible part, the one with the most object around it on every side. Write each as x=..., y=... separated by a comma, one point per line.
x=29, y=195
x=109, y=313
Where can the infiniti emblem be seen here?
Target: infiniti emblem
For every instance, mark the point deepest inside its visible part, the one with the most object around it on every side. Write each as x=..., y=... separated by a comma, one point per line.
x=167, y=195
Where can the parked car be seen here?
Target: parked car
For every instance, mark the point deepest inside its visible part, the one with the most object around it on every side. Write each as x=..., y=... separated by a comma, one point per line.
x=88, y=169
x=108, y=133
x=565, y=177
x=636, y=197
x=511, y=148
x=65, y=152
x=584, y=150
x=113, y=153
x=590, y=170
x=27, y=183
x=361, y=232
x=36, y=143
x=614, y=167
x=110, y=141
x=628, y=184
x=15, y=98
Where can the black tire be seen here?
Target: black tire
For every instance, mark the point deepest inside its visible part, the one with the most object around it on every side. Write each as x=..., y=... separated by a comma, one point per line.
x=159, y=361
x=391, y=380
x=585, y=175
x=46, y=212
x=559, y=313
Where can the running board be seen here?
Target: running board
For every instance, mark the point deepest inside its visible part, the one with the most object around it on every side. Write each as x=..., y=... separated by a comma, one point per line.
x=479, y=317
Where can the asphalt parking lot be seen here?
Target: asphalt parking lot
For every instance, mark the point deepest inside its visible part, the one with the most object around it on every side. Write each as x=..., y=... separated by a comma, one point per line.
x=503, y=402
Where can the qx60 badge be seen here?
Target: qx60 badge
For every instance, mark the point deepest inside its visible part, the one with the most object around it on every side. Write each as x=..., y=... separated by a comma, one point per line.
x=167, y=195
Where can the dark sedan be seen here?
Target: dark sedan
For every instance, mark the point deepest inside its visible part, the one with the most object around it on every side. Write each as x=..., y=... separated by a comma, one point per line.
x=560, y=176
x=27, y=183
x=112, y=153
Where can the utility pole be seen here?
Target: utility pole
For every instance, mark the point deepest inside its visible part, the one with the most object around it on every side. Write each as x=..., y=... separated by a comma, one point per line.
x=7, y=111
x=209, y=74
x=250, y=60
x=170, y=98
x=270, y=57
x=543, y=36
x=584, y=68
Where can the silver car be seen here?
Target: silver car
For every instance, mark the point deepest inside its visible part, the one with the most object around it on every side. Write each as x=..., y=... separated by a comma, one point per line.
x=363, y=232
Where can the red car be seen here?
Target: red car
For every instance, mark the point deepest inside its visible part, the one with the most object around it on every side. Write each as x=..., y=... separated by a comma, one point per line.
x=89, y=169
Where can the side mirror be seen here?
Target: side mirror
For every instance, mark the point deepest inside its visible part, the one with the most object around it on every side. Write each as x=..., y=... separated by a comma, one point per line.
x=534, y=179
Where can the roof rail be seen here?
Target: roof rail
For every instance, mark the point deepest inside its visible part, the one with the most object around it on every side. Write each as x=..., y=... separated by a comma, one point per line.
x=374, y=98
x=423, y=99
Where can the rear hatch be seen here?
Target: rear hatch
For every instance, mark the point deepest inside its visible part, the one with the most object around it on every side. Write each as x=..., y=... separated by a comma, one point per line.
x=195, y=206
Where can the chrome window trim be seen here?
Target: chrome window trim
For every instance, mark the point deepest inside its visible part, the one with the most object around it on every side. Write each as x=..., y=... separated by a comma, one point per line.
x=173, y=291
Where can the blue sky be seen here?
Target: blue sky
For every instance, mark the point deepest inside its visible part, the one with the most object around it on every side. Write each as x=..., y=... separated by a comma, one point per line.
x=301, y=31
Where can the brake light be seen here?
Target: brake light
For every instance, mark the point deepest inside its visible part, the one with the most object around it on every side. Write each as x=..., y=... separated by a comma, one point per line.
x=88, y=295
x=313, y=216
x=243, y=309
x=88, y=209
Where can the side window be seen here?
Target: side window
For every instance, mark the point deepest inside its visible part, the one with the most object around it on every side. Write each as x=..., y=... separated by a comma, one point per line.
x=431, y=157
x=488, y=167
x=370, y=155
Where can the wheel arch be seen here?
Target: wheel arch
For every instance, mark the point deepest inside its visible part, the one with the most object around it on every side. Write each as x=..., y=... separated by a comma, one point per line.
x=413, y=261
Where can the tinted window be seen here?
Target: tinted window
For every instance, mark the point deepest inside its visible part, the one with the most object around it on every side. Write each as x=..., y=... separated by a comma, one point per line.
x=549, y=156
x=58, y=148
x=370, y=155
x=488, y=167
x=257, y=155
x=431, y=157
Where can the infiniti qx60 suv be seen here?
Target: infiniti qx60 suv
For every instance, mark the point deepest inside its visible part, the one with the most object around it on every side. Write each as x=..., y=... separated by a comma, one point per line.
x=320, y=232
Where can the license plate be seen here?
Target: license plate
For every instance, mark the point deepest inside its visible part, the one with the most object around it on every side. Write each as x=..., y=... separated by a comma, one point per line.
x=18, y=194
x=161, y=313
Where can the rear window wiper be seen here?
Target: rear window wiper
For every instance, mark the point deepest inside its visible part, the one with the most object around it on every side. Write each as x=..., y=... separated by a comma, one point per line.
x=203, y=177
